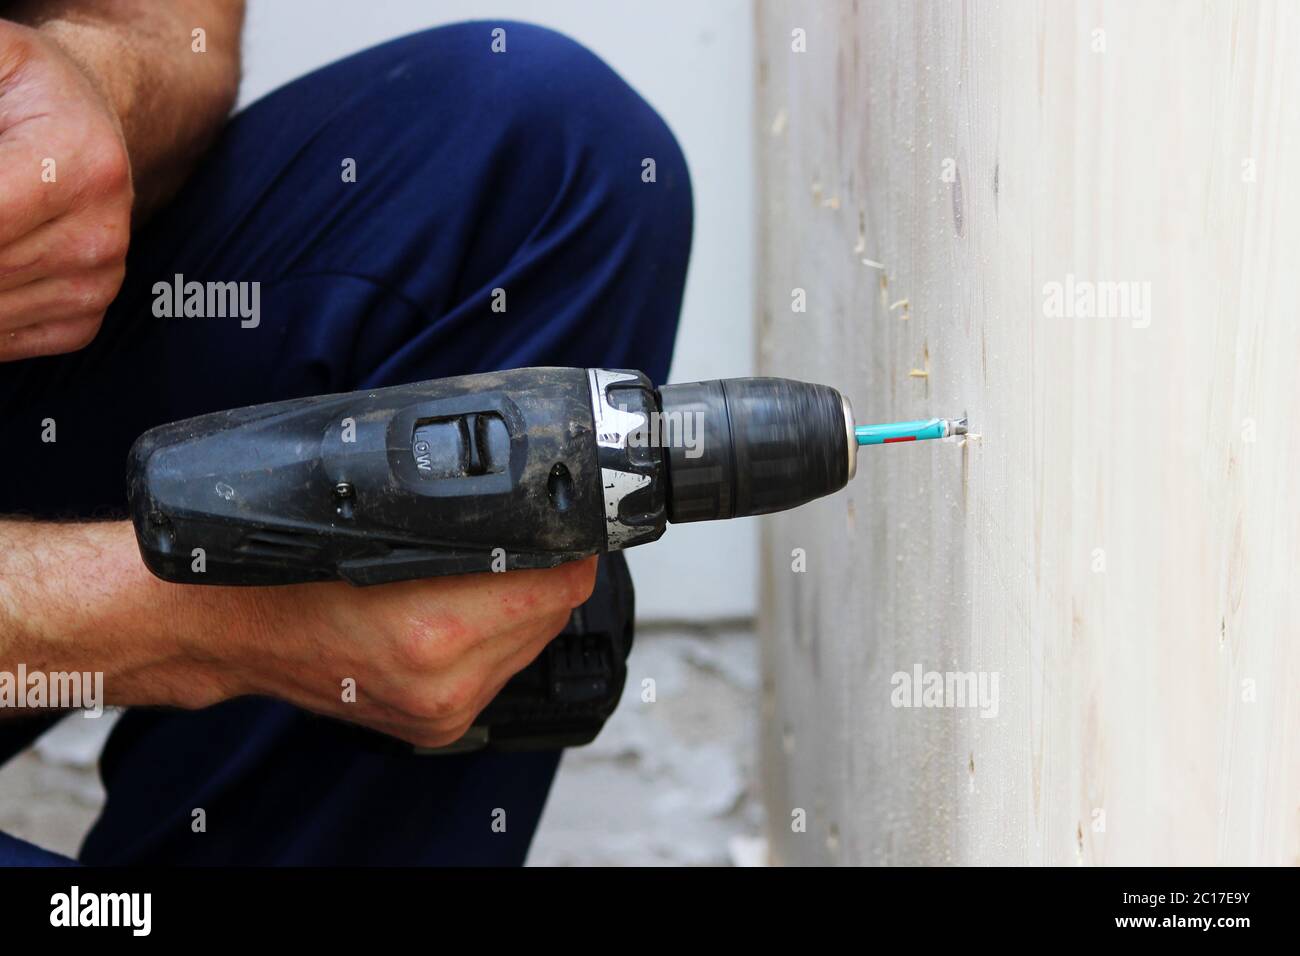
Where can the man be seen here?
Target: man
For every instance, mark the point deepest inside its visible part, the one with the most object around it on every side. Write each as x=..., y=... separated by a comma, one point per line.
x=380, y=203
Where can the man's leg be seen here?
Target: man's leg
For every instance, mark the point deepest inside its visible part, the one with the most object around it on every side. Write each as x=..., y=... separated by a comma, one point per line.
x=15, y=852
x=481, y=178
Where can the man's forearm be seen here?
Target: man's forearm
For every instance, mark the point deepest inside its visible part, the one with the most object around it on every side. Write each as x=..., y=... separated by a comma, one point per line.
x=76, y=597
x=170, y=98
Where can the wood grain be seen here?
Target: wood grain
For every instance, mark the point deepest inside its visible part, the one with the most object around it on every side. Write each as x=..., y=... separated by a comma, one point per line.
x=1148, y=711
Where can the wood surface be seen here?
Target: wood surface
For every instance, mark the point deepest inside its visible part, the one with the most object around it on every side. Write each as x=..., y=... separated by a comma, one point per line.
x=1121, y=546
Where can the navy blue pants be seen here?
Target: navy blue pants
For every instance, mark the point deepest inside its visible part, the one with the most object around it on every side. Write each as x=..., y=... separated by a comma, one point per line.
x=475, y=171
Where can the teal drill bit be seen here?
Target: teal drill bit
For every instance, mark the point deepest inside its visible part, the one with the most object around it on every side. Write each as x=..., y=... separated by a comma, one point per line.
x=909, y=431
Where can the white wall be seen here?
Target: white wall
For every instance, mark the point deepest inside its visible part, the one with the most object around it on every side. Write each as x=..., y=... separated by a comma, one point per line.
x=694, y=62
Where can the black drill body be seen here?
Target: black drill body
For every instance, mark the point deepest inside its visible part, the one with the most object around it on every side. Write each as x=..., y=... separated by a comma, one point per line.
x=528, y=468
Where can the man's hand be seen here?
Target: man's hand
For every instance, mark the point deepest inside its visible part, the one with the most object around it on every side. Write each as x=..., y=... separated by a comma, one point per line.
x=104, y=107
x=424, y=656
x=65, y=199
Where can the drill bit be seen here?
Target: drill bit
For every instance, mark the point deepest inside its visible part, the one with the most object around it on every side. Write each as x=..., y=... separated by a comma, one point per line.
x=909, y=431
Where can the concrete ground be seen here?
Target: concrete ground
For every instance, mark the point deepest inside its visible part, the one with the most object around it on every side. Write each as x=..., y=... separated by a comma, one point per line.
x=669, y=781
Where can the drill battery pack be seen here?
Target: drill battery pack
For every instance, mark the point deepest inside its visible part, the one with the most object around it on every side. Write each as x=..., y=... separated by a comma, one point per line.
x=563, y=698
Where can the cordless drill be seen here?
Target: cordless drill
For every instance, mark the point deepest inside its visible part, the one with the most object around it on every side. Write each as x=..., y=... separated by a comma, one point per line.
x=527, y=468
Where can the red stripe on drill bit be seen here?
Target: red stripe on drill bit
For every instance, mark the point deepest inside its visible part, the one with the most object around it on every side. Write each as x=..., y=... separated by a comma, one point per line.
x=890, y=441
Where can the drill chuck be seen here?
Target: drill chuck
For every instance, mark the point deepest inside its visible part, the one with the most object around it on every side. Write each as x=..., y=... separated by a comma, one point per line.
x=765, y=445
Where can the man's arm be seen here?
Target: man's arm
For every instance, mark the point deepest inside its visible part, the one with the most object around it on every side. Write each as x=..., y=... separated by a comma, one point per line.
x=73, y=597
x=93, y=95
x=169, y=97
x=424, y=657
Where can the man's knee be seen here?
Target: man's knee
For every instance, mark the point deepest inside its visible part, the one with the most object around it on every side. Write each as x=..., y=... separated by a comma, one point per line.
x=559, y=185
x=560, y=114
x=458, y=165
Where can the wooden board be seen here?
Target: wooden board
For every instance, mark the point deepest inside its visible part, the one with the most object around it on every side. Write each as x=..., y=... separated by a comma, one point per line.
x=1121, y=548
